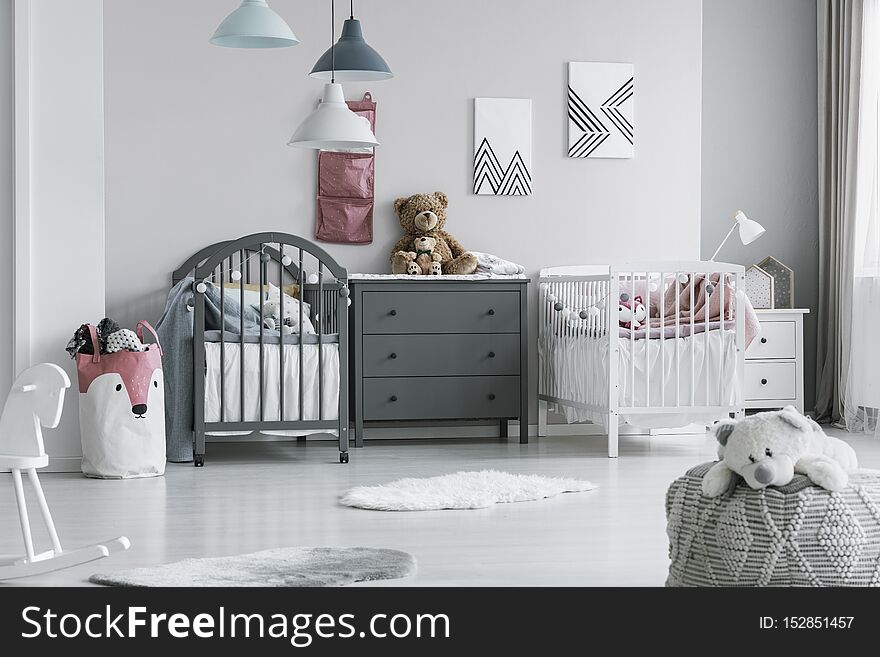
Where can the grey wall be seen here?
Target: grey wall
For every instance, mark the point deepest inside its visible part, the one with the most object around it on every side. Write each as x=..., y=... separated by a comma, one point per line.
x=6, y=187
x=196, y=135
x=759, y=139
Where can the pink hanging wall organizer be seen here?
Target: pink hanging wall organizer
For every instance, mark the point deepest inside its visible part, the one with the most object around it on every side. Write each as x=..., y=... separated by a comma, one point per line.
x=346, y=188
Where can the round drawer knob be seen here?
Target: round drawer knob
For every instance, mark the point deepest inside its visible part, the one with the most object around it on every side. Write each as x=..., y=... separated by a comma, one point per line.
x=491, y=354
x=492, y=396
x=763, y=340
x=763, y=382
x=491, y=311
x=392, y=312
x=392, y=356
x=394, y=398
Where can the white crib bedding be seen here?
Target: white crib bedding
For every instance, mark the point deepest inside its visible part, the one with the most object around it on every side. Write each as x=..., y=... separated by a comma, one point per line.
x=576, y=368
x=271, y=390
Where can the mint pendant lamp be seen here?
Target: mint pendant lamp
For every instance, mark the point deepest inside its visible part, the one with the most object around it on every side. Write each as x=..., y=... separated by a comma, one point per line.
x=254, y=25
x=333, y=126
x=353, y=58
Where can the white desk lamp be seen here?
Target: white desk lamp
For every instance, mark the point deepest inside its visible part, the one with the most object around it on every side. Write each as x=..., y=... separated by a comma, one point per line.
x=749, y=231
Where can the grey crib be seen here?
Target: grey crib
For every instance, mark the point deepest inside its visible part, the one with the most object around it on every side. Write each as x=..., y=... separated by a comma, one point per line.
x=281, y=259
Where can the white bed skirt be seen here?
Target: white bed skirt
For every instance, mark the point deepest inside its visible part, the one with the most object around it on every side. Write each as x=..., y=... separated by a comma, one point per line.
x=576, y=368
x=271, y=389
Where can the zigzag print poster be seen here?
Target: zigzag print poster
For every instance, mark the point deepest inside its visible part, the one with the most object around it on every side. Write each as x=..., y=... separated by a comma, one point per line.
x=600, y=110
x=503, y=146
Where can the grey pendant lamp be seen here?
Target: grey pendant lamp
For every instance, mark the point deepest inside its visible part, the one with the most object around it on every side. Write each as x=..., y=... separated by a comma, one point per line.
x=355, y=59
x=254, y=25
x=333, y=126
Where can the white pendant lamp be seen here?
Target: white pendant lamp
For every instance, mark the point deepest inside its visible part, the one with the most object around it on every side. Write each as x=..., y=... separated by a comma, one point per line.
x=254, y=25
x=333, y=126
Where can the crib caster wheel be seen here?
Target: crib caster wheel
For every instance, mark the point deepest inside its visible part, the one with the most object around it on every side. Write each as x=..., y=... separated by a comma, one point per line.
x=343, y=457
x=199, y=460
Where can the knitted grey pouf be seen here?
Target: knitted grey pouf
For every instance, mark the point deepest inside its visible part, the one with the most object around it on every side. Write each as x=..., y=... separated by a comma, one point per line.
x=794, y=535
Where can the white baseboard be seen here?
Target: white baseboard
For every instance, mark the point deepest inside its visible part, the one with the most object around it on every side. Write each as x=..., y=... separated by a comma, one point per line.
x=73, y=463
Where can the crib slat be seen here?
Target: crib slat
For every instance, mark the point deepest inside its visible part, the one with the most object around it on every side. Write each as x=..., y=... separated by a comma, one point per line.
x=660, y=304
x=740, y=344
x=632, y=346
x=647, y=341
x=302, y=287
x=722, y=287
x=262, y=276
x=706, y=295
x=677, y=284
x=281, y=376
x=693, y=277
x=242, y=263
x=320, y=317
x=222, y=339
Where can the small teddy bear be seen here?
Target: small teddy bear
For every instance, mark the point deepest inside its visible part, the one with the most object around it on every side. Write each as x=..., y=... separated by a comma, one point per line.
x=631, y=313
x=767, y=449
x=423, y=259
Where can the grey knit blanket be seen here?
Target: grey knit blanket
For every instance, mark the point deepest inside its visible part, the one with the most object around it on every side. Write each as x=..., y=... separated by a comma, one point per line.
x=794, y=535
x=175, y=329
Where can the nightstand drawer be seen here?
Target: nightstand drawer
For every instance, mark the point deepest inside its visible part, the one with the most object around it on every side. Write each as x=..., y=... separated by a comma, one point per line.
x=441, y=355
x=770, y=381
x=776, y=340
x=438, y=398
x=441, y=312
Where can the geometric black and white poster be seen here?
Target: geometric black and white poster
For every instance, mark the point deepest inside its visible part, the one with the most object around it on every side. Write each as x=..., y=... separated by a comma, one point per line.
x=601, y=116
x=503, y=146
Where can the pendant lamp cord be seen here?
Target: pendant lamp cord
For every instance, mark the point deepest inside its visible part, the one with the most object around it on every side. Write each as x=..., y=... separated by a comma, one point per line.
x=352, y=9
x=333, y=41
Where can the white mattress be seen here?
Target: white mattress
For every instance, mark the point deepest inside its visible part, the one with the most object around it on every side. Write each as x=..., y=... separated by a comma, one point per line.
x=576, y=368
x=271, y=391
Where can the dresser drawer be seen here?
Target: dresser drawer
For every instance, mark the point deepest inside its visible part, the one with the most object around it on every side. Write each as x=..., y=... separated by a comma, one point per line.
x=770, y=381
x=438, y=398
x=441, y=312
x=441, y=355
x=776, y=340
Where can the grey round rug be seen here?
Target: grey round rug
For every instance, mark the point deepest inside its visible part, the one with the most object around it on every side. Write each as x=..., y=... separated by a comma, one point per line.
x=310, y=566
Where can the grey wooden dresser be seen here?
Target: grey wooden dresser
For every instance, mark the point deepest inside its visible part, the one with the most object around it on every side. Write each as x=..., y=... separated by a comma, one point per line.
x=439, y=349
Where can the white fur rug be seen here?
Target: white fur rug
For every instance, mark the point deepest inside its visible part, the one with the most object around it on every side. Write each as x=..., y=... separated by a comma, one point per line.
x=317, y=566
x=462, y=490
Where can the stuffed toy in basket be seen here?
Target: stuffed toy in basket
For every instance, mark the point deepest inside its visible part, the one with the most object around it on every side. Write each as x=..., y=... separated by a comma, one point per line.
x=122, y=407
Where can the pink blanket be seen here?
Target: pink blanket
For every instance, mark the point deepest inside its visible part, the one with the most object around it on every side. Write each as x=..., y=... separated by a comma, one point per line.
x=703, y=304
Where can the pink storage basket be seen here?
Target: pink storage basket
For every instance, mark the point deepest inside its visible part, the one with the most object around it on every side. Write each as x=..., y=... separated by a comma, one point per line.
x=122, y=410
x=346, y=188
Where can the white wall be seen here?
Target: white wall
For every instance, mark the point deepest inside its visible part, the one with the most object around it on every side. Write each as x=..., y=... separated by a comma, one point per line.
x=7, y=178
x=760, y=140
x=65, y=194
x=195, y=134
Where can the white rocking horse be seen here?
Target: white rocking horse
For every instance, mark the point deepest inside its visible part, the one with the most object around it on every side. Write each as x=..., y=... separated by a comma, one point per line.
x=36, y=400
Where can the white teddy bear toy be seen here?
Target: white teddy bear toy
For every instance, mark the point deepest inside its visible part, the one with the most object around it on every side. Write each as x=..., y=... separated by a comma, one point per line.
x=272, y=311
x=767, y=449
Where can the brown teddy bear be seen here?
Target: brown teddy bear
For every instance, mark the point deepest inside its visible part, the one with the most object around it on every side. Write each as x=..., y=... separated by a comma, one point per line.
x=423, y=259
x=424, y=215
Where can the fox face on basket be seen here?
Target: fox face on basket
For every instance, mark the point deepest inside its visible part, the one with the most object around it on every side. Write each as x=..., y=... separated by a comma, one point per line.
x=127, y=386
x=122, y=409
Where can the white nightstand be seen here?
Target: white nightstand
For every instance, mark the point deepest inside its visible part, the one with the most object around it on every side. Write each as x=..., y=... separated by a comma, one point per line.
x=774, y=373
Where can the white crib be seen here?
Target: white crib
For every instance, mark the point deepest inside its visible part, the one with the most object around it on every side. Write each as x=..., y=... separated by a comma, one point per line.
x=676, y=372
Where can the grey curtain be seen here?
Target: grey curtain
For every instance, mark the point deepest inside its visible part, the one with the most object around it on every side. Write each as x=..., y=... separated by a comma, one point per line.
x=839, y=65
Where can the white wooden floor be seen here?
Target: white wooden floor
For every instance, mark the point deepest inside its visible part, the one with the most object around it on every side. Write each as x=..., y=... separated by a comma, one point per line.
x=267, y=495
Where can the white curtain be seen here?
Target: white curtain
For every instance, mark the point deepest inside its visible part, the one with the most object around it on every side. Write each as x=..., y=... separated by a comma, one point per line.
x=861, y=392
